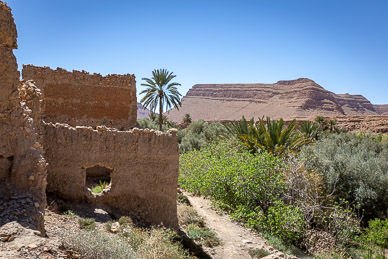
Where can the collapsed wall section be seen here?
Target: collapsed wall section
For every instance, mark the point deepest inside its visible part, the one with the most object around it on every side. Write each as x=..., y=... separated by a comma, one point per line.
x=80, y=98
x=22, y=166
x=142, y=166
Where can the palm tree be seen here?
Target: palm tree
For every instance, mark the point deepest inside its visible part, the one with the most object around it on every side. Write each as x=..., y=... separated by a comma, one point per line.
x=160, y=92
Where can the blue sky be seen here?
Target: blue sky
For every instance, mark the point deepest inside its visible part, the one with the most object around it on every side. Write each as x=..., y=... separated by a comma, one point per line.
x=340, y=44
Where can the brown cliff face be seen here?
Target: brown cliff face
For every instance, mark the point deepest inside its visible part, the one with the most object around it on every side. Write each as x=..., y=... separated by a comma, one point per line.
x=381, y=109
x=355, y=105
x=285, y=99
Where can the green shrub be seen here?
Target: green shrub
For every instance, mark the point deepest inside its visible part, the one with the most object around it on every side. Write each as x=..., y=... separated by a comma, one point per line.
x=153, y=123
x=375, y=238
x=249, y=186
x=87, y=223
x=284, y=221
x=355, y=168
x=199, y=134
x=125, y=221
x=203, y=234
x=232, y=178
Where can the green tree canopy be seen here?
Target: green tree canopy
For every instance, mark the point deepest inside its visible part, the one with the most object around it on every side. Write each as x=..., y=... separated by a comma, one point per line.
x=160, y=92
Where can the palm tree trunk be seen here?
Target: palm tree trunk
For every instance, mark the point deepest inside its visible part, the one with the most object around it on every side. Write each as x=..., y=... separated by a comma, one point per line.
x=160, y=113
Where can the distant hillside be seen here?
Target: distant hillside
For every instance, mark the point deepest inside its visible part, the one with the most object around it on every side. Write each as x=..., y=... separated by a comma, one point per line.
x=142, y=112
x=381, y=109
x=300, y=98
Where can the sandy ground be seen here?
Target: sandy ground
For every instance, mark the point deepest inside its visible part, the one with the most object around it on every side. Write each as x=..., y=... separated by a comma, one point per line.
x=236, y=240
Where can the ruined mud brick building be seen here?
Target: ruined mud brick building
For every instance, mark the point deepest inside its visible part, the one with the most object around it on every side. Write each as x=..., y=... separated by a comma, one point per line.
x=62, y=132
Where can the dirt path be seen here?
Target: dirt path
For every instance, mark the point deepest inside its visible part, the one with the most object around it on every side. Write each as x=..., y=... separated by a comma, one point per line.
x=236, y=241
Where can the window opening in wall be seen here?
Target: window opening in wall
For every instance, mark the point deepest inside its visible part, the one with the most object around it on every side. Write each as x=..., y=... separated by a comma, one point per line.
x=98, y=179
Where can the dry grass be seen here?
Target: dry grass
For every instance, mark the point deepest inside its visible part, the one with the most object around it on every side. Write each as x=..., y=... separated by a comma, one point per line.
x=195, y=228
x=97, y=245
x=188, y=215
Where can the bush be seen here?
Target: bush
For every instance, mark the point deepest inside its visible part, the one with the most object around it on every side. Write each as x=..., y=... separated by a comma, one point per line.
x=375, y=238
x=153, y=123
x=249, y=186
x=355, y=168
x=96, y=245
x=156, y=243
x=199, y=134
x=285, y=222
x=306, y=191
x=232, y=178
x=87, y=223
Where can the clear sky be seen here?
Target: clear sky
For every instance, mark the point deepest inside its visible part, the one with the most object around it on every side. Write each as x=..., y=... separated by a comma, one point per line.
x=340, y=44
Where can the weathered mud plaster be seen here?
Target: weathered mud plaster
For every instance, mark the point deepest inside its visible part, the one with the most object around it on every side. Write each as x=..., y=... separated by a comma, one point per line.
x=34, y=128
x=143, y=163
x=22, y=166
x=80, y=98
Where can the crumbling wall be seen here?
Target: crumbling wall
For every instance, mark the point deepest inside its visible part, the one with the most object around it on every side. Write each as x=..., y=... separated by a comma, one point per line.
x=22, y=166
x=143, y=168
x=80, y=98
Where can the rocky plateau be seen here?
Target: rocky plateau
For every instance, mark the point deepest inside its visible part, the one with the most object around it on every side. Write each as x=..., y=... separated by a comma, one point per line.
x=300, y=98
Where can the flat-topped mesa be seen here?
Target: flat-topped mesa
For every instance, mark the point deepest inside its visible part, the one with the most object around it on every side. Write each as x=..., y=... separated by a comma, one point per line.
x=80, y=98
x=382, y=109
x=355, y=104
x=285, y=99
x=296, y=81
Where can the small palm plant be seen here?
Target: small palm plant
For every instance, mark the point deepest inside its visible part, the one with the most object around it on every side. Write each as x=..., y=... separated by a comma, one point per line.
x=160, y=92
x=272, y=136
x=310, y=130
x=187, y=119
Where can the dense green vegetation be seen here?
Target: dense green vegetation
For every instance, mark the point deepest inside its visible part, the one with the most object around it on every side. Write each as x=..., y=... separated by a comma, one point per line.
x=300, y=183
x=196, y=135
x=355, y=168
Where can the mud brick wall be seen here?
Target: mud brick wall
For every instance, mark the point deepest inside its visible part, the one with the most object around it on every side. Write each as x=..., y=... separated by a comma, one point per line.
x=22, y=166
x=80, y=98
x=143, y=167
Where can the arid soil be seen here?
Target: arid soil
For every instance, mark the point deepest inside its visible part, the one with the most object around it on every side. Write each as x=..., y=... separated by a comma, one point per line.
x=236, y=240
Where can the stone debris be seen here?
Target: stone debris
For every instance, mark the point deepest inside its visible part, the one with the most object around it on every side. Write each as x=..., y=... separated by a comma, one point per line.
x=115, y=227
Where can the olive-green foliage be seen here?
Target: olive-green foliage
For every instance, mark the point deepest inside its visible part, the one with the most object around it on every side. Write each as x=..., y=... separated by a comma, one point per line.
x=203, y=234
x=311, y=130
x=152, y=123
x=232, y=178
x=327, y=125
x=187, y=119
x=355, y=168
x=375, y=238
x=96, y=245
x=87, y=223
x=199, y=134
x=272, y=136
x=247, y=185
x=154, y=243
